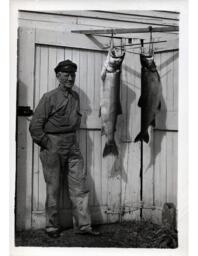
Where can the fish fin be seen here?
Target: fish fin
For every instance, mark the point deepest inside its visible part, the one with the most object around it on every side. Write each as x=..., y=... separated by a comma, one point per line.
x=144, y=137
x=119, y=108
x=103, y=72
x=99, y=114
x=159, y=106
x=153, y=123
x=110, y=148
x=140, y=102
x=138, y=137
x=103, y=75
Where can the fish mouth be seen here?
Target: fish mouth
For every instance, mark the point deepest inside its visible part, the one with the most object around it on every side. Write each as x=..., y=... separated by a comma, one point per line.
x=147, y=60
x=117, y=53
x=147, y=56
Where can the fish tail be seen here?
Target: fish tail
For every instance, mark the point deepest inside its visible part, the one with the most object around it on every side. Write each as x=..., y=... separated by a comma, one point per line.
x=141, y=136
x=146, y=137
x=110, y=148
x=138, y=137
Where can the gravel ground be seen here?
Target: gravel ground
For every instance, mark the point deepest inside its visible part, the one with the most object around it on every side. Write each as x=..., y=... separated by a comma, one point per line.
x=123, y=235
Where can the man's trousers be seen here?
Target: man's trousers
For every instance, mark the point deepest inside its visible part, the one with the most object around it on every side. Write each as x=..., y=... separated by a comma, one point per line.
x=63, y=157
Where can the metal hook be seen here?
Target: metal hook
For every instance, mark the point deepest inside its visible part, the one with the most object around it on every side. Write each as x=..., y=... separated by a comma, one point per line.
x=142, y=45
x=151, y=41
x=121, y=46
x=111, y=40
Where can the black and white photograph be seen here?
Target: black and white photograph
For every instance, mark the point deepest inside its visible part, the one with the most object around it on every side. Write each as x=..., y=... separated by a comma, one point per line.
x=97, y=111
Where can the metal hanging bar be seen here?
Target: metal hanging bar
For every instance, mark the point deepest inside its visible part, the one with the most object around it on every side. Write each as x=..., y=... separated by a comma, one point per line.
x=126, y=30
x=158, y=51
x=117, y=37
x=111, y=41
x=131, y=45
x=142, y=45
x=151, y=41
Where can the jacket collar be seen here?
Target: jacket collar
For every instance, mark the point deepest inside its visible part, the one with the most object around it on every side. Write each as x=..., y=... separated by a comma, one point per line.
x=65, y=90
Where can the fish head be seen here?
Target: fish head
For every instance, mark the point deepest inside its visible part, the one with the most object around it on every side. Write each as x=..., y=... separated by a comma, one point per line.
x=116, y=58
x=147, y=61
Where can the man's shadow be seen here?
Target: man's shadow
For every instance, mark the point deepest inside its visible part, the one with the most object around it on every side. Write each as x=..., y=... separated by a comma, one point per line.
x=123, y=134
x=129, y=93
x=87, y=148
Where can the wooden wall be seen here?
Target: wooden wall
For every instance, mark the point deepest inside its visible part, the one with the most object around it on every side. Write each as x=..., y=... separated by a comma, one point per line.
x=160, y=155
x=114, y=182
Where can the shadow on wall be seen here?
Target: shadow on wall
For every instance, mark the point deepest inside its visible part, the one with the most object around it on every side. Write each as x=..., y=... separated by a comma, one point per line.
x=22, y=125
x=88, y=147
x=155, y=145
x=168, y=61
x=123, y=136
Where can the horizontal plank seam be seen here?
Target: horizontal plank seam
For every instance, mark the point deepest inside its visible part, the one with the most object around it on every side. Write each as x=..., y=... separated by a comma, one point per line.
x=100, y=18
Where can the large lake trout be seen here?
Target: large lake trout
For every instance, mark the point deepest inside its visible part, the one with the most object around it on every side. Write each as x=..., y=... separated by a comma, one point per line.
x=110, y=106
x=151, y=95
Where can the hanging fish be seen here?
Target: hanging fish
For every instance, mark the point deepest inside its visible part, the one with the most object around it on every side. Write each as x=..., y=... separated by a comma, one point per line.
x=151, y=94
x=110, y=106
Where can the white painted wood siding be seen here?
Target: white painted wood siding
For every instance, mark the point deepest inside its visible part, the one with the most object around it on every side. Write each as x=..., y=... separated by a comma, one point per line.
x=161, y=154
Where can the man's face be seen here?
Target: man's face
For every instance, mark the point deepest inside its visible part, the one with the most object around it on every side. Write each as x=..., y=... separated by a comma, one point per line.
x=66, y=79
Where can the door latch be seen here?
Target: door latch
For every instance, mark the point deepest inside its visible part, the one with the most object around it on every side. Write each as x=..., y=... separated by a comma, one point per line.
x=24, y=111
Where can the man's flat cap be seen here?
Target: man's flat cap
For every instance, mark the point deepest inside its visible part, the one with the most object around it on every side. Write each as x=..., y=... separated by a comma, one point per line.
x=66, y=66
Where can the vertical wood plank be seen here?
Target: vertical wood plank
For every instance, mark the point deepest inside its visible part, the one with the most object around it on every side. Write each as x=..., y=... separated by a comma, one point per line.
x=42, y=188
x=97, y=169
x=163, y=169
x=90, y=165
x=24, y=141
x=171, y=171
x=169, y=81
x=44, y=61
x=157, y=178
x=76, y=59
x=104, y=177
x=51, y=65
x=60, y=54
x=98, y=63
x=83, y=146
x=44, y=71
x=113, y=190
x=175, y=168
x=35, y=147
x=67, y=53
x=83, y=80
x=175, y=81
x=90, y=79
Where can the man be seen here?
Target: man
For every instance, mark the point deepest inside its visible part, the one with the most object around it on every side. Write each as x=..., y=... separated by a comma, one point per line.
x=53, y=127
